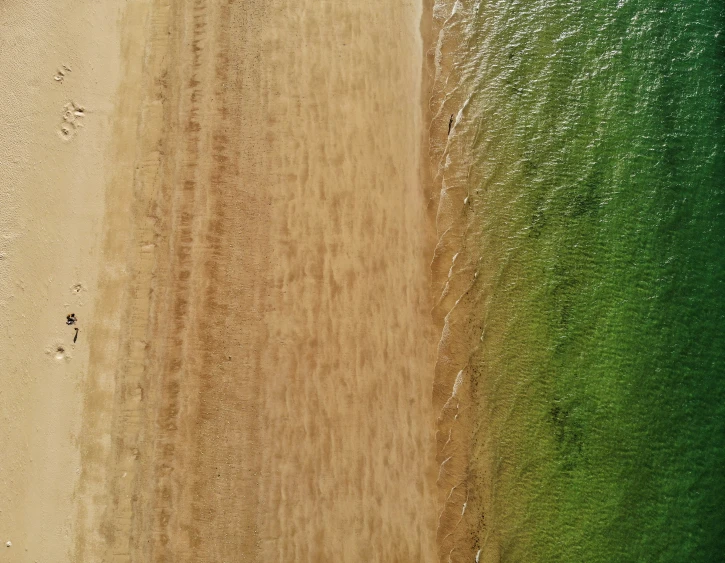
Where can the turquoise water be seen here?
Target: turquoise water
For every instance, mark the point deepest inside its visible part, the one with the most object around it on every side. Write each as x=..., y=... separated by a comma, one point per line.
x=590, y=143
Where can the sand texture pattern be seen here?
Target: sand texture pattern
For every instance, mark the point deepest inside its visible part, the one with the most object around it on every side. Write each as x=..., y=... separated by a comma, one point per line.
x=230, y=199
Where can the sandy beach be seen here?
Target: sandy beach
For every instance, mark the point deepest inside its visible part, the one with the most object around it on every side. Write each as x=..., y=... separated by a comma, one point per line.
x=230, y=197
x=59, y=93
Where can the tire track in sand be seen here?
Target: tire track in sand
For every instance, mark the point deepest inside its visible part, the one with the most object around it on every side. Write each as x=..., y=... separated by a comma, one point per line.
x=204, y=498
x=181, y=469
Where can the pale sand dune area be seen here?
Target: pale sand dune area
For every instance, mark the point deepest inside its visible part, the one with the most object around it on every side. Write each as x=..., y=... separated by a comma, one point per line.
x=229, y=195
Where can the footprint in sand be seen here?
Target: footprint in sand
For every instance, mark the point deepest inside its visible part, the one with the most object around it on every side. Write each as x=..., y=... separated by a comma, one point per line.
x=60, y=75
x=73, y=115
x=58, y=351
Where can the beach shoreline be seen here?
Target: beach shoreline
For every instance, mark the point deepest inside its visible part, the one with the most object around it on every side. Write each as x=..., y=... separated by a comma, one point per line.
x=455, y=286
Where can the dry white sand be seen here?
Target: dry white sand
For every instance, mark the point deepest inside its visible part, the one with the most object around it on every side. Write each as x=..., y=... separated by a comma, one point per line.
x=60, y=73
x=228, y=195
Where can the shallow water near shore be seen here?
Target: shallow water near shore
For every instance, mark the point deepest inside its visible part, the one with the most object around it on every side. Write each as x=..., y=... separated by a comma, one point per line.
x=583, y=201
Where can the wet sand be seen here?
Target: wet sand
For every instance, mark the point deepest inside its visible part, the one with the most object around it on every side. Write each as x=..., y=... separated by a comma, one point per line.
x=252, y=238
x=455, y=267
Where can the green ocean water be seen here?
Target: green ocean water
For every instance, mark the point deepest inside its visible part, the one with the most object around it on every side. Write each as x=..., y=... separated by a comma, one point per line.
x=593, y=141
